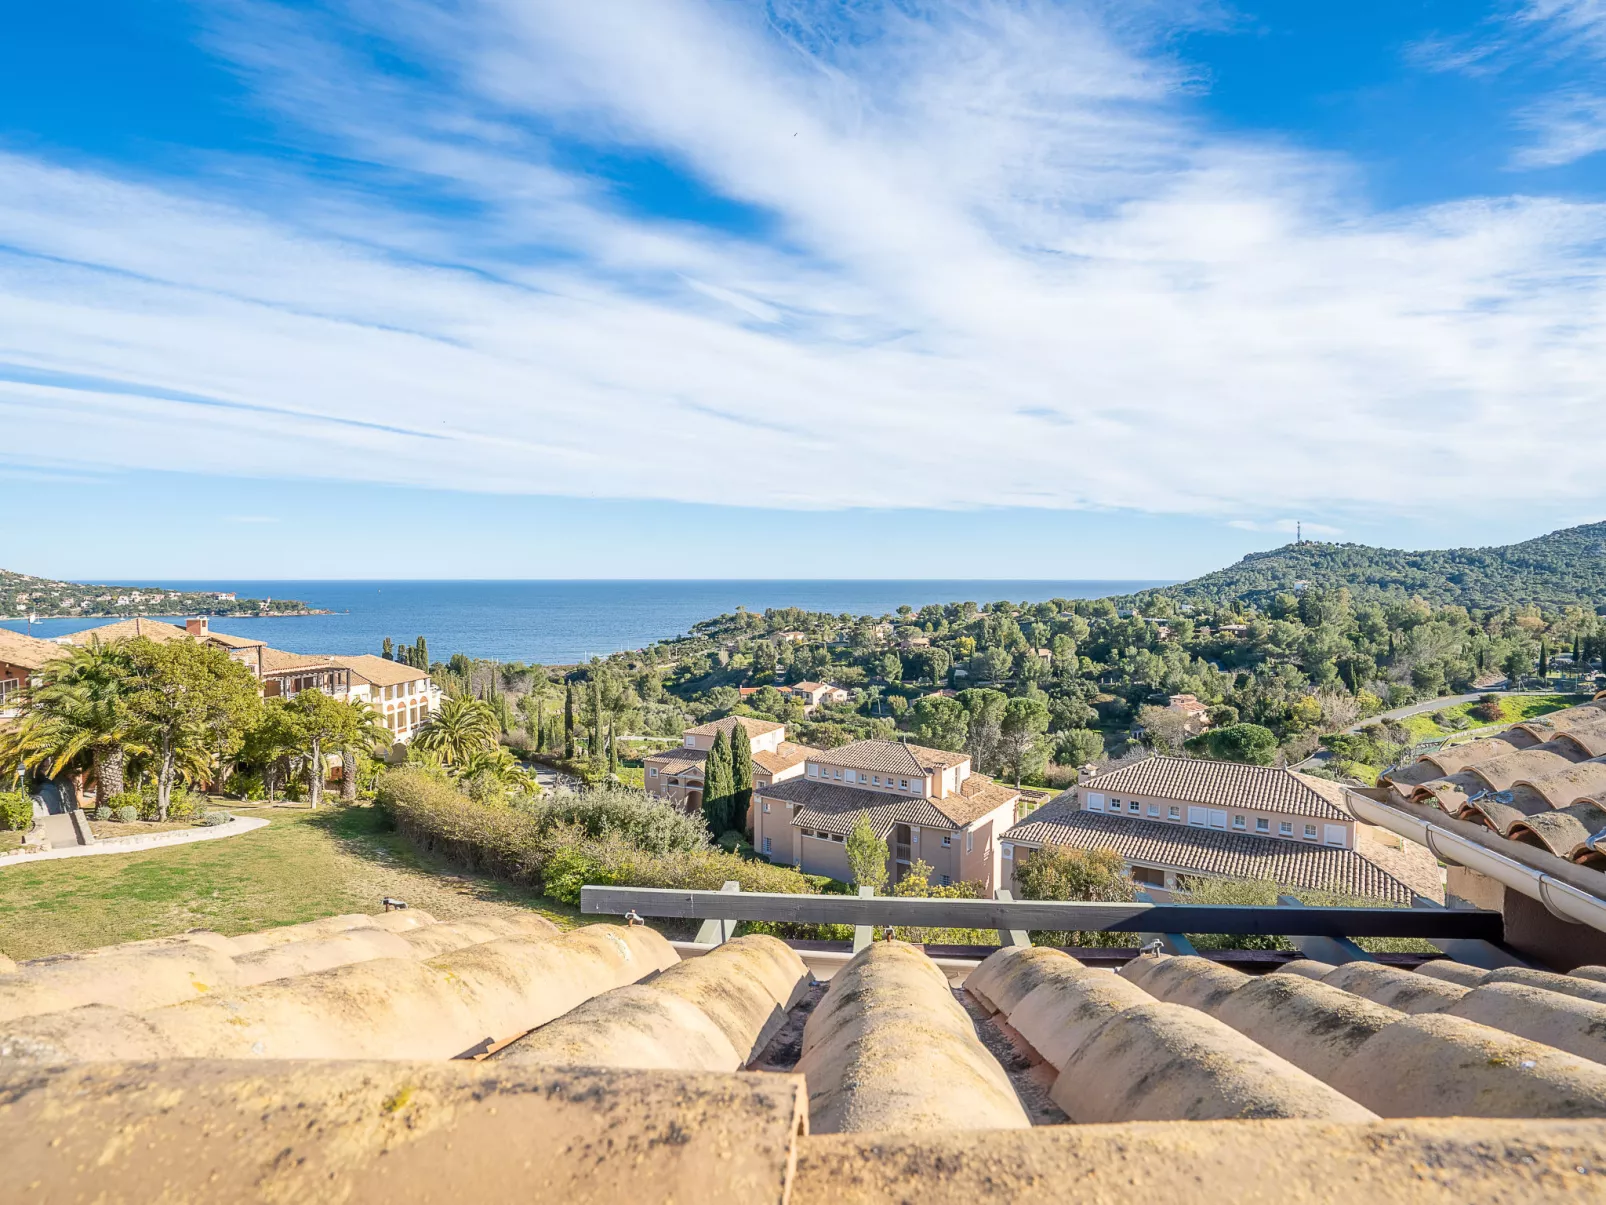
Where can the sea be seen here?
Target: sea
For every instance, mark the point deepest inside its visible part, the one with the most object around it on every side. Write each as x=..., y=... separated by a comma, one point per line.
x=560, y=622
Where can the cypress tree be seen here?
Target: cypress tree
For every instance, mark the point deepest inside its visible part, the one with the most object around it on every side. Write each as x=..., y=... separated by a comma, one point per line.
x=421, y=652
x=1544, y=658
x=386, y=650
x=568, y=721
x=596, y=721
x=613, y=752
x=717, y=785
x=540, y=725
x=741, y=777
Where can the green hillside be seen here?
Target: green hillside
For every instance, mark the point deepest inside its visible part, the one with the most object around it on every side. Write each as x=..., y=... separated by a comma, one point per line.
x=1563, y=568
x=22, y=595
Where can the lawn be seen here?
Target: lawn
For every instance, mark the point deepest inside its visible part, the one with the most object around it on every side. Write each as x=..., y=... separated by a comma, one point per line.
x=1513, y=710
x=302, y=866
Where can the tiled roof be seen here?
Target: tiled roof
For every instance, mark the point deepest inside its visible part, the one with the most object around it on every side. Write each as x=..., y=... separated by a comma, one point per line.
x=678, y=761
x=832, y=808
x=784, y=758
x=26, y=651
x=891, y=757
x=229, y=641
x=613, y=1069
x=277, y=661
x=381, y=671
x=1225, y=783
x=129, y=629
x=1541, y=783
x=754, y=726
x=1211, y=852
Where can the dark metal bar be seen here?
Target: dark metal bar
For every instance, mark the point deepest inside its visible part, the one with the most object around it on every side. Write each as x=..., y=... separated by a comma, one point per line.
x=1336, y=950
x=1045, y=914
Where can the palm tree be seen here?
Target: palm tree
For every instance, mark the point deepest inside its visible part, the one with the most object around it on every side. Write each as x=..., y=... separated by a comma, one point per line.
x=80, y=707
x=366, y=730
x=498, y=764
x=460, y=728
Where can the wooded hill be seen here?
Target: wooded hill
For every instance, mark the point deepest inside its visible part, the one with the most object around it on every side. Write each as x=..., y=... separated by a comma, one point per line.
x=1563, y=568
x=22, y=595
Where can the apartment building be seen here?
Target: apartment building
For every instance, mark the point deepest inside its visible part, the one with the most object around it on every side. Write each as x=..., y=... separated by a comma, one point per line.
x=405, y=696
x=926, y=804
x=1175, y=818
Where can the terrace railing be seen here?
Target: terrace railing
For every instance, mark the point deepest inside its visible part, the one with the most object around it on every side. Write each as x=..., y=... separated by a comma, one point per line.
x=1472, y=935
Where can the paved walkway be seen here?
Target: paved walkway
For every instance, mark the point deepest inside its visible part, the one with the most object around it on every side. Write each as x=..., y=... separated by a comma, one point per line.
x=124, y=845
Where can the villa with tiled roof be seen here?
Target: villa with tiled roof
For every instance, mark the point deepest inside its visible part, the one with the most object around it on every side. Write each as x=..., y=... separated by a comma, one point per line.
x=1175, y=818
x=677, y=774
x=925, y=803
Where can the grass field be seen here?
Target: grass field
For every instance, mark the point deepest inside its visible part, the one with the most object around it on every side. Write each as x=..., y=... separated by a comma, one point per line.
x=302, y=866
x=1513, y=710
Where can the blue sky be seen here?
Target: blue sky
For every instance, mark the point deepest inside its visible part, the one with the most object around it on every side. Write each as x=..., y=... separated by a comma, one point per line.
x=694, y=288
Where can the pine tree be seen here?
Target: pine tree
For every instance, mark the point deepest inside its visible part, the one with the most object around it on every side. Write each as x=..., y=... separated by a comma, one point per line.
x=568, y=722
x=386, y=650
x=741, y=777
x=717, y=786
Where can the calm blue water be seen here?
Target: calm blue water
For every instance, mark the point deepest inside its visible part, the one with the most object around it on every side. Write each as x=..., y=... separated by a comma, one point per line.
x=557, y=623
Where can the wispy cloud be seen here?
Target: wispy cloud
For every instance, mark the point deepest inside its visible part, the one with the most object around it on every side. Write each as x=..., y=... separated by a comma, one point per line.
x=1286, y=527
x=988, y=255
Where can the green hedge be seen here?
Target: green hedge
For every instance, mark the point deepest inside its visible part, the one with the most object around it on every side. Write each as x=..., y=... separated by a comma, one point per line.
x=559, y=843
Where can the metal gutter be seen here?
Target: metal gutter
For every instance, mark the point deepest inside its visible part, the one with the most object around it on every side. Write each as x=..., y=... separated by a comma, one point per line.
x=1563, y=900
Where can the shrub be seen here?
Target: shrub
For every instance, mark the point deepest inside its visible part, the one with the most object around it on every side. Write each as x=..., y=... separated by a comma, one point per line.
x=1057, y=872
x=103, y=812
x=16, y=811
x=125, y=799
x=126, y=814
x=246, y=785
x=1236, y=742
x=1489, y=709
x=561, y=842
x=214, y=818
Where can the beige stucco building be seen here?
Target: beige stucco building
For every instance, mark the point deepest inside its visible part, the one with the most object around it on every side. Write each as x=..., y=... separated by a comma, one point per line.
x=1175, y=818
x=677, y=774
x=925, y=803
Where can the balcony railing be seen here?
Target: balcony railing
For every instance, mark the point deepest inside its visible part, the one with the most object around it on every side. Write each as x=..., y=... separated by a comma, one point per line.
x=1470, y=935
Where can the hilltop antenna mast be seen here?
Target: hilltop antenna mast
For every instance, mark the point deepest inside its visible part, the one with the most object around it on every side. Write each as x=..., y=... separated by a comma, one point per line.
x=1299, y=532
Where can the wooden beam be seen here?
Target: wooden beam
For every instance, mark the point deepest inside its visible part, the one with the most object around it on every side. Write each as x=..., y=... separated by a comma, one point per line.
x=1044, y=914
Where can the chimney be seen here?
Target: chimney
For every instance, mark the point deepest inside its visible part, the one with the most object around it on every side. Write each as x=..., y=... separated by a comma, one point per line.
x=197, y=627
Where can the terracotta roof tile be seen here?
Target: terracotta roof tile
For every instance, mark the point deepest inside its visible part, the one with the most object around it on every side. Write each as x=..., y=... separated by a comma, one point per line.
x=26, y=651
x=1210, y=852
x=1232, y=784
x=891, y=757
x=753, y=725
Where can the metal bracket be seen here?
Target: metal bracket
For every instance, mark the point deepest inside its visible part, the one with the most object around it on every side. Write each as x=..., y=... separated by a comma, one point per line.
x=717, y=931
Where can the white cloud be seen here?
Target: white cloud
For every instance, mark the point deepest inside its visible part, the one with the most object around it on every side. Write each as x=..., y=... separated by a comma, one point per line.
x=998, y=261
